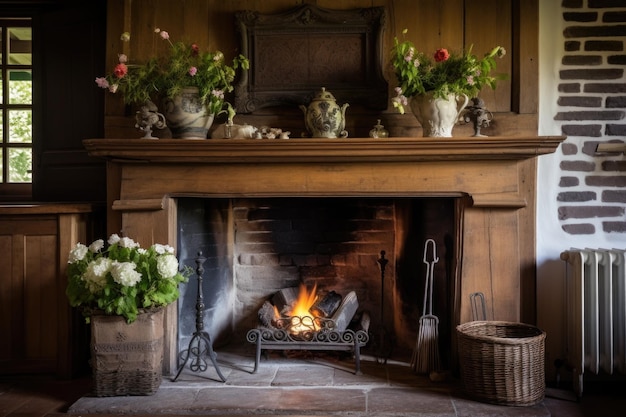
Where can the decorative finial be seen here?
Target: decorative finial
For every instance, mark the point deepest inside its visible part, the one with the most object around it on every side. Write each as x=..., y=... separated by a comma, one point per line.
x=478, y=114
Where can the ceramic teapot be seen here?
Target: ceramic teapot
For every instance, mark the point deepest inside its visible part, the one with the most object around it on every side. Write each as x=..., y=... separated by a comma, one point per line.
x=324, y=118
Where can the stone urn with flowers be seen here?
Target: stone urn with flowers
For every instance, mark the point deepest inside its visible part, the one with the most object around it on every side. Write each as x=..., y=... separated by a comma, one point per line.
x=438, y=88
x=122, y=290
x=188, y=84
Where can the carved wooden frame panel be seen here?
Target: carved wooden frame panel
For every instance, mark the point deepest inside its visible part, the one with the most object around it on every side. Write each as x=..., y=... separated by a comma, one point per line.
x=295, y=53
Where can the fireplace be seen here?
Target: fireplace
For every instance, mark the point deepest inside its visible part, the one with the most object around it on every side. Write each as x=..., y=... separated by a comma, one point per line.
x=257, y=248
x=489, y=181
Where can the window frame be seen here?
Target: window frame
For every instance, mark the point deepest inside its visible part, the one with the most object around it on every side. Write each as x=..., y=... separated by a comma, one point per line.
x=14, y=191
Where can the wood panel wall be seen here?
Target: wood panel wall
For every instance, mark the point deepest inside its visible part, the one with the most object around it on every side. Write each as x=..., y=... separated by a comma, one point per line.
x=66, y=107
x=41, y=332
x=431, y=24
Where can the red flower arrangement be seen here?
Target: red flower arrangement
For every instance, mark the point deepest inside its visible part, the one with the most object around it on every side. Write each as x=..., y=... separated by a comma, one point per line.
x=448, y=74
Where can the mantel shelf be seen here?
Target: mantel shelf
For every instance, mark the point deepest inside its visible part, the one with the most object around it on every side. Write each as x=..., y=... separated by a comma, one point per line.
x=319, y=150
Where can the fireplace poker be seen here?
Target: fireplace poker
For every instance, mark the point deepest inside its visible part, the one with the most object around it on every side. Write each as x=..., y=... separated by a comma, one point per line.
x=426, y=353
x=200, y=336
x=384, y=345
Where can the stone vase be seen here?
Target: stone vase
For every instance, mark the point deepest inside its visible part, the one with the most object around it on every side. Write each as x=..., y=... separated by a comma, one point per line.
x=437, y=116
x=186, y=116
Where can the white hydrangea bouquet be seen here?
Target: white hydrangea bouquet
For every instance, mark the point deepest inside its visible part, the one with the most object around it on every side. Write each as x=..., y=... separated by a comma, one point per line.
x=122, y=279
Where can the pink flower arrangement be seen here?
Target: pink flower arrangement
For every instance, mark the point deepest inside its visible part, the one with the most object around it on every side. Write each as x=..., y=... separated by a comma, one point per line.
x=166, y=75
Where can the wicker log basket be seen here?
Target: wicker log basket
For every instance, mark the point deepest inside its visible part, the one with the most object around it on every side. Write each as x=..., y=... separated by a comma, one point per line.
x=502, y=362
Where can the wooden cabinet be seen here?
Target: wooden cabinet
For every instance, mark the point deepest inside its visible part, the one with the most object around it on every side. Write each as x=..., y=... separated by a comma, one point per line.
x=39, y=329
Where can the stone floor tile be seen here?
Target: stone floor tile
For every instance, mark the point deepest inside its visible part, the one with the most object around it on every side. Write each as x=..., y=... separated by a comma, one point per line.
x=209, y=374
x=263, y=377
x=335, y=400
x=240, y=361
x=208, y=377
x=371, y=374
x=264, y=401
x=163, y=401
x=303, y=375
x=252, y=400
x=409, y=400
x=469, y=408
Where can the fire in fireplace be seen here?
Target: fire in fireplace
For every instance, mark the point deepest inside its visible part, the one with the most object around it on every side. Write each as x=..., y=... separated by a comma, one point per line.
x=295, y=313
x=299, y=319
x=302, y=319
x=302, y=311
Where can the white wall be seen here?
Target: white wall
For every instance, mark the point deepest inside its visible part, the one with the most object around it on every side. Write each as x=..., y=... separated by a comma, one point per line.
x=551, y=239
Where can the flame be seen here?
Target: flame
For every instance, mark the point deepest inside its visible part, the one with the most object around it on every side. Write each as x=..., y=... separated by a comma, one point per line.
x=305, y=301
x=302, y=319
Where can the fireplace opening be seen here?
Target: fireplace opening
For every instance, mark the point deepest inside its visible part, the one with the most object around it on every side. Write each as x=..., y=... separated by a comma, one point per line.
x=256, y=247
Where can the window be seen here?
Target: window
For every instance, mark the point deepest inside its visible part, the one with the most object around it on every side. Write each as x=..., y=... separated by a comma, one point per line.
x=16, y=105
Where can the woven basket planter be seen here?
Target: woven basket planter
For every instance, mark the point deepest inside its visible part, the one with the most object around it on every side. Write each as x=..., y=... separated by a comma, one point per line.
x=502, y=362
x=126, y=359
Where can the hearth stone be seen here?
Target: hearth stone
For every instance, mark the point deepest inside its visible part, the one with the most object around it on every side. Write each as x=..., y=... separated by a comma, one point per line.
x=280, y=388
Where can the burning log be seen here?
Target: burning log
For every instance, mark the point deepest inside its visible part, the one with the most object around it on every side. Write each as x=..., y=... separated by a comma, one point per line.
x=285, y=299
x=302, y=306
x=327, y=305
x=266, y=314
x=345, y=312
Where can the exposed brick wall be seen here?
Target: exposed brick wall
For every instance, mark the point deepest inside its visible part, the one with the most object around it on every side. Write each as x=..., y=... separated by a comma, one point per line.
x=334, y=243
x=592, y=109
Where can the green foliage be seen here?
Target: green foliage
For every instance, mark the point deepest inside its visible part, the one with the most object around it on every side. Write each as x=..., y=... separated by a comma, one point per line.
x=20, y=164
x=443, y=74
x=123, y=279
x=165, y=75
x=20, y=131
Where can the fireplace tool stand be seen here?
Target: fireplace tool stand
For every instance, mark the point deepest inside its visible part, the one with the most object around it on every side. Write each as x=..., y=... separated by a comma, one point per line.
x=200, y=337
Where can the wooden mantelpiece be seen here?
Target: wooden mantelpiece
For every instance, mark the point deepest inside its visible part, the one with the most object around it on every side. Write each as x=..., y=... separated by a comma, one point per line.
x=496, y=176
x=322, y=150
x=324, y=167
